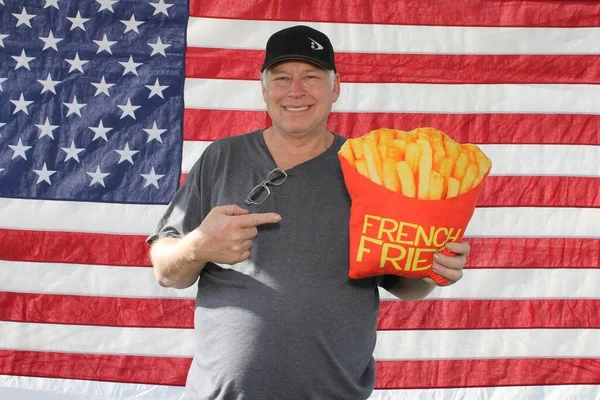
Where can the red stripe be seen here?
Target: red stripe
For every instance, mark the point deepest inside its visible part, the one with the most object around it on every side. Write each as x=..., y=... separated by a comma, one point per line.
x=424, y=12
x=473, y=128
x=540, y=191
x=486, y=373
x=98, y=367
x=489, y=314
x=393, y=315
x=213, y=63
x=486, y=252
x=73, y=248
x=97, y=311
x=534, y=191
x=390, y=374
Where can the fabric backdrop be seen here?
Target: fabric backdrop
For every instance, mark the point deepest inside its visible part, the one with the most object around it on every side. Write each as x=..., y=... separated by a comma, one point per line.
x=105, y=105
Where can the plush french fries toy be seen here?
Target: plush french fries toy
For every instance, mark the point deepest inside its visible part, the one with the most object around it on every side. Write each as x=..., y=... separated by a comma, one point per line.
x=412, y=192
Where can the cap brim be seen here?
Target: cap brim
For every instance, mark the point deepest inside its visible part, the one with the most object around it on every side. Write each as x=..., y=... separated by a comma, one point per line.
x=292, y=57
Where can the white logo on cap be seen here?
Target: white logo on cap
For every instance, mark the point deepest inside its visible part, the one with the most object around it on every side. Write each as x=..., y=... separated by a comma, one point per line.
x=315, y=45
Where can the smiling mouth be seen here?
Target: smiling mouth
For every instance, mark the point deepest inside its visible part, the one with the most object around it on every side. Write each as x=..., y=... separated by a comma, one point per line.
x=296, y=109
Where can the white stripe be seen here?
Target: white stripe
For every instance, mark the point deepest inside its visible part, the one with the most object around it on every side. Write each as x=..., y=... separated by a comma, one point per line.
x=519, y=283
x=86, y=280
x=141, y=220
x=486, y=343
x=507, y=159
x=29, y=388
x=97, y=339
x=225, y=94
x=497, y=283
x=391, y=345
x=372, y=38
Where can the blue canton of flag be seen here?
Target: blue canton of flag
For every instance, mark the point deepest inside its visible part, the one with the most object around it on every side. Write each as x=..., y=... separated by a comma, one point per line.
x=91, y=99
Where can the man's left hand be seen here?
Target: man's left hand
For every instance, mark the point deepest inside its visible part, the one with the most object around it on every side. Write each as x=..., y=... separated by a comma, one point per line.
x=450, y=267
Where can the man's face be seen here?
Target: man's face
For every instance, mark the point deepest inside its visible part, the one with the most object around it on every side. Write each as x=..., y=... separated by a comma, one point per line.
x=299, y=97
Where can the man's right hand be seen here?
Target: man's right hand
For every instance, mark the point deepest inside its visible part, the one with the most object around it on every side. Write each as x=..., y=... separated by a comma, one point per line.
x=226, y=234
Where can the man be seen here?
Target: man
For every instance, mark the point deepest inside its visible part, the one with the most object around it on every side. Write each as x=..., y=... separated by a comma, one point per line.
x=262, y=220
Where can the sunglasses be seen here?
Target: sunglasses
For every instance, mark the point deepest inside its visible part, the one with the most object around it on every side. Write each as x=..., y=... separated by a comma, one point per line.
x=261, y=192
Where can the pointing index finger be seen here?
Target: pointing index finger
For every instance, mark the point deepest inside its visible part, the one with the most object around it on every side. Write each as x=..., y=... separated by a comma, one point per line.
x=250, y=220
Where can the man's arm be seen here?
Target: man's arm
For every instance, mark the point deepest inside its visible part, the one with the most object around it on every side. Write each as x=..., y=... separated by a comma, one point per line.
x=224, y=236
x=450, y=267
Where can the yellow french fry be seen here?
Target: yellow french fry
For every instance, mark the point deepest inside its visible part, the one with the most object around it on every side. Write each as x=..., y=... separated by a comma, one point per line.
x=461, y=166
x=467, y=182
x=400, y=146
x=383, y=150
x=452, y=148
x=361, y=167
x=453, y=187
x=436, y=186
x=484, y=165
x=373, y=161
x=357, y=147
x=346, y=152
x=445, y=168
x=436, y=134
x=399, y=134
x=407, y=179
x=425, y=166
x=413, y=152
x=390, y=176
x=386, y=135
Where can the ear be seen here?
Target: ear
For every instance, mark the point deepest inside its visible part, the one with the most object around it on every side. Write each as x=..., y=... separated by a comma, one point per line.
x=336, y=87
x=264, y=91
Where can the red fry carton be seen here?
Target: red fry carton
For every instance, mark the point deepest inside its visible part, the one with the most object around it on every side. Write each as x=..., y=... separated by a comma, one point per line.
x=412, y=192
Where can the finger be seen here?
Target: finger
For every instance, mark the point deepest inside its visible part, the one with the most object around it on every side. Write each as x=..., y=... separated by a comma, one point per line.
x=244, y=256
x=241, y=247
x=459, y=247
x=250, y=220
x=248, y=233
x=453, y=275
x=452, y=262
x=232, y=209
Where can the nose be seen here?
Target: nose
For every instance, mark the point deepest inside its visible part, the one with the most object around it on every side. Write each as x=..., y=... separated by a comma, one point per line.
x=296, y=88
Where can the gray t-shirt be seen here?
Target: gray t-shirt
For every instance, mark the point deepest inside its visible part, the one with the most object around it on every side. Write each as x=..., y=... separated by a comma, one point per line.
x=288, y=323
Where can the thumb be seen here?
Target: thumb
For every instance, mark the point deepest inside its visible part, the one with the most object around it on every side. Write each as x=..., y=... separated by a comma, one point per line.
x=232, y=209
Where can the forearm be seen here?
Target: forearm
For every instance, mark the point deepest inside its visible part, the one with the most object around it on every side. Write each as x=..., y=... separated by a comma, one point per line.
x=411, y=289
x=173, y=264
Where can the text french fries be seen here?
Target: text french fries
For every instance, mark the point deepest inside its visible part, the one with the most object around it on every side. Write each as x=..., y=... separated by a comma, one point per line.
x=424, y=163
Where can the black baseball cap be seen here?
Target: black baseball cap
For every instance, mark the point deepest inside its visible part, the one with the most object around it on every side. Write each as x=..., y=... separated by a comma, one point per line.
x=300, y=43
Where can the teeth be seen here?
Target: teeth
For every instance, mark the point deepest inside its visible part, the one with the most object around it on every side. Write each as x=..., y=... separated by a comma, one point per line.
x=297, y=109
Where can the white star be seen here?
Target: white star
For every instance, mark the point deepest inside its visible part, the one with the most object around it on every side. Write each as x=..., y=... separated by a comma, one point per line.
x=2, y=124
x=72, y=152
x=1, y=169
x=130, y=66
x=77, y=21
x=19, y=150
x=46, y=129
x=154, y=133
x=2, y=37
x=158, y=47
x=128, y=109
x=51, y=3
x=126, y=154
x=161, y=7
x=156, y=89
x=76, y=63
x=74, y=107
x=21, y=104
x=50, y=41
x=104, y=45
x=102, y=87
x=49, y=84
x=132, y=24
x=98, y=176
x=44, y=174
x=100, y=131
x=106, y=5
x=23, y=60
x=152, y=178
x=2, y=2
x=2, y=80
x=23, y=18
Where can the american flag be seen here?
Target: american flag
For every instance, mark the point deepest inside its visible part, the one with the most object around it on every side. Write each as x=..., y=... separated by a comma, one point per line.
x=85, y=175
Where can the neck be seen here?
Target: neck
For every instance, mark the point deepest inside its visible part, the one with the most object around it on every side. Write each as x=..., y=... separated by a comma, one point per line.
x=289, y=151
